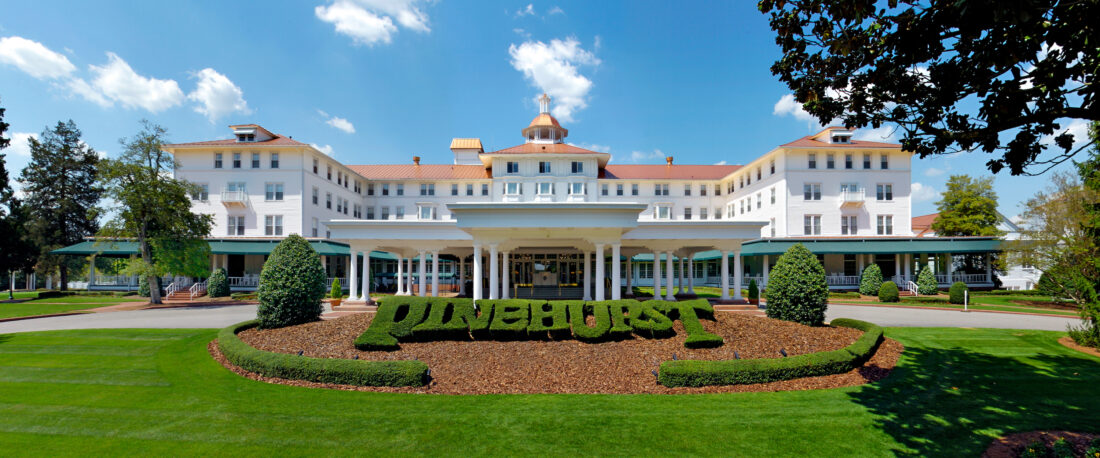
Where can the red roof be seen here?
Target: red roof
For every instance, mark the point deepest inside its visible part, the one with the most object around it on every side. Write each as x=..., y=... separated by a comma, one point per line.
x=279, y=140
x=548, y=148
x=810, y=141
x=426, y=171
x=922, y=225
x=667, y=172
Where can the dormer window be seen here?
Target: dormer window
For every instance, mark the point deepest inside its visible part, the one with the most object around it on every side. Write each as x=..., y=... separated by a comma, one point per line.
x=840, y=139
x=246, y=137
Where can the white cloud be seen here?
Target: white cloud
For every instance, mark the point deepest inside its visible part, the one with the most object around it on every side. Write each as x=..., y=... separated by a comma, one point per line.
x=552, y=67
x=117, y=82
x=521, y=32
x=935, y=172
x=1079, y=128
x=920, y=192
x=645, y=156
x=327, y=149
x=555, y=10
x=720, y=163
x=19, y=145
x=369, y=22
x=34, y=58
x=217, y=96
x=528, y=10
x=337, y=122
x=880, y=134
x=788, y=106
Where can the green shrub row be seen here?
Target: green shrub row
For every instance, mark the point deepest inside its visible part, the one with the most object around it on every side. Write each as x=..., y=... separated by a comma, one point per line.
x=845, y=295
x=409, y=318
x=323, y=370
x=745, y=371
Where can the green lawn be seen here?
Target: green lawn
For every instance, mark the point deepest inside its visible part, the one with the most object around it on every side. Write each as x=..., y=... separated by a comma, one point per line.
x=31, y=308
x=157, y=392
x=701, y=291
x=995, y=303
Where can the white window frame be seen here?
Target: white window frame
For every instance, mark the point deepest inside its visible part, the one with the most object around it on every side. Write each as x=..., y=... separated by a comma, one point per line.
x=577, y=188
x=513, y=188
x=884, y=192
x=662, y=211
x=813, y=190
x=885, y=224
x=811, y=225
x=273, y=225
x=545, y=188
x=849, y=225
x=273, y=192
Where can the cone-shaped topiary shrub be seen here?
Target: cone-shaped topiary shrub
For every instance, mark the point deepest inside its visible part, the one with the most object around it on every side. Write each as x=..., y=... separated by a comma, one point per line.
x=871, y=280
x=218, y=284
x=754, y=291
x=335, y=292
x=957, y=293
x=926, y=281
x=796, y=289
x=291, y=285
x=888, y=292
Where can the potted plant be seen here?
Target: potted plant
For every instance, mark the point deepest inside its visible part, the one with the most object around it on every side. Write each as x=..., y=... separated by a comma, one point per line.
x=335, y=294
x=754, y=293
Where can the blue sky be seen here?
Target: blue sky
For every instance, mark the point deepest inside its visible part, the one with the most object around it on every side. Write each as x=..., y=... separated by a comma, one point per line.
x=376, y=81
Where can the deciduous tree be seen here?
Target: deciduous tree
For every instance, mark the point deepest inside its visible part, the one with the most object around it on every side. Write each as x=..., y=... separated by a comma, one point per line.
x=62, y=196
x=984, y=75
x=154, y=209
x=15, y=250
x=967, y=208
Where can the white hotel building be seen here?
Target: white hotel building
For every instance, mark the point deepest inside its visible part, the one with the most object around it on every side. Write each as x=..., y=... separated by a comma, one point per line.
x=549, y=219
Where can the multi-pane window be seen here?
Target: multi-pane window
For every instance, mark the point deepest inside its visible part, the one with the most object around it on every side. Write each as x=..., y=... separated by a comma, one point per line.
x=717, y=189
x=235, y=186
x=687, y=189
x=370, y=211
x=339, y=177
x=619, y=189
x=576, y=189
x=400, y=189
x=742, y=182
x=469, y=189
x=273, y=191
x=359, y=188
x=759, y=200
x=578, y=167
x=316, y=165
x=772, y=224
x=544, y=167
x=604, y=189
x=399, y=212
x=454, y=189
x=273, y=225
x=811, y=191
x=634, y=189
x=217, y=160
x=385, y=189
x=427, y=212
x=866, y=160
x=274, y=160
x=339, y=205
x=702, y=190
x=255, y=160
x=687, y=213
x=370, y=189
x=660, y=189
x=742, y=206
x=545, y=188
x=830, y=161
x=328, y=200
x=884, y=161
x=884, y=192
x=328, y=173
x=385, y=214
x=773, y=194
x=313, y=230
x=236, y=225
x=848, y=161
x=485, y=189
x=201, y=193
x=315, y=195
x=811, y=225
x=236, y=160
x=885, y=225
x=511, y=189
x=771, y=165
x=663, y=211
x=813, y=161
x=346, y=206
x=702, y=212
x=848, y=225
x=512, y=167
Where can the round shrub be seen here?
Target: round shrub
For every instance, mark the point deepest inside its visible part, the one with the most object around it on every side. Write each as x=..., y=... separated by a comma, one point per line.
x=291, y=285
x=871, y=280
x=218, y=284
x=888, y=292
x=335, y=292
x=926, y=281
x=754, y=291
x=957, y=293
x=143, y=286
x=796, y=289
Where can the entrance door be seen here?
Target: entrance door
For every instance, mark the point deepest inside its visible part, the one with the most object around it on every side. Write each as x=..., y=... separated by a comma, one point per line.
x=236, y=265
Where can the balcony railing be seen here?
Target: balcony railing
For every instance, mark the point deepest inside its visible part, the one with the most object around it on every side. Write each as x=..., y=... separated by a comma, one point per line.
x=234, y=197
x=842, y=280
x=251, y=281
x=852, y=197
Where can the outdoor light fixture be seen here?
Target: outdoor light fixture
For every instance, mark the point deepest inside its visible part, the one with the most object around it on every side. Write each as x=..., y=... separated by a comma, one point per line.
x=736, y=355
x=355, y=357
x=783, y=352
x=674, y=356
x=300, y=352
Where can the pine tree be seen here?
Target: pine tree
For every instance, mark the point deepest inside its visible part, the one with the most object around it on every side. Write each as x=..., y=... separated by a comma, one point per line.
x=871, y=280
x=61, y=195
x=926, y=281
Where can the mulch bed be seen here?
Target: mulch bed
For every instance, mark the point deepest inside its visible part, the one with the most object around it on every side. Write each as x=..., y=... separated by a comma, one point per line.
x=570, y=366
x=1068, y=342
x=1013, y=445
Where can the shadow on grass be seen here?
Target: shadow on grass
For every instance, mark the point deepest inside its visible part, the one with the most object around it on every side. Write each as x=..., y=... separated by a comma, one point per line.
x=953, y=402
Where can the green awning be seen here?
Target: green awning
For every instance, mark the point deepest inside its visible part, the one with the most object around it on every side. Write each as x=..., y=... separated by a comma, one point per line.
x=217, y=246
x=914, y=245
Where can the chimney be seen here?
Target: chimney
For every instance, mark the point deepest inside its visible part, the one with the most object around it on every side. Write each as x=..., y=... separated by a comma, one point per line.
x=416, y=160
x=669, y=160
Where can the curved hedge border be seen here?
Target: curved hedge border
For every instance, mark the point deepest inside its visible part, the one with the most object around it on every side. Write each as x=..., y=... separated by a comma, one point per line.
x=746, y=371
x=323, y=370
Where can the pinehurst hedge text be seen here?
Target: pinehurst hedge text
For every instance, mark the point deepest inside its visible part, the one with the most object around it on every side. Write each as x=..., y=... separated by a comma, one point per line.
x=411, y=318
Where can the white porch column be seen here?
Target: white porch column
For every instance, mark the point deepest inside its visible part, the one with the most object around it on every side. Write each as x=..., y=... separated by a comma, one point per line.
x=897, y=265
x=461, y=275
x=668, y=277
x=859, y=263
x=587, y=275
x=766, y=268
x=908, y=267
x=599, y=273
x=656, y=275
x=680, y=280
x=494, y=273
x=950, y=268
x=422, y=281
x=49, y=281
x=435, y=273
x=616, y=273
x=691, y=274
x=629, y=276
x=725, y=275
x=91, y=274
x=988, y=268
x=737, y=275
x=365, y=294
x=353, y=275
x=477, y=272
x=505, y=273
x=401, y=276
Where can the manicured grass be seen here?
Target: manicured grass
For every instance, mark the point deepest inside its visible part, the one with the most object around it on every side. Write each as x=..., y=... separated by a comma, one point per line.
x=157, y=392
x=994, y=303
x=31, y=308
x=101, y=300
x=700, y=291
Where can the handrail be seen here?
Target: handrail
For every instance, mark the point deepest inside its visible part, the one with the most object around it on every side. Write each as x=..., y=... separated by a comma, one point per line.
x=198, y=289
x=172, y=287
x=912, y=287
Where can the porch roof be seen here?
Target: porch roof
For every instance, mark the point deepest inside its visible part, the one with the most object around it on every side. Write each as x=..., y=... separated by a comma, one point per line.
x=217, y=246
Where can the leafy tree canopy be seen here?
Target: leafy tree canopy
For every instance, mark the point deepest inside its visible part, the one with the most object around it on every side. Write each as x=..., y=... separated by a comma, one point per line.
x=968, y=207
x=1027, y=66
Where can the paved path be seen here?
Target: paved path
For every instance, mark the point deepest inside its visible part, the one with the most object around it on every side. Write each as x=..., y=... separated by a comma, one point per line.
x=222, y=316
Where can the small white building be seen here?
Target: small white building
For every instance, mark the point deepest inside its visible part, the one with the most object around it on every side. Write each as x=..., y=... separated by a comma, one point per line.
x=545, y=218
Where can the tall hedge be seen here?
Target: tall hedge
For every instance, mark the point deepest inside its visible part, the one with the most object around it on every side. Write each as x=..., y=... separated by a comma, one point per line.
x=796, y=289
x=957, y=293
x=926, y=281
x=871, y=280
x=292, y=284
x=218, y=284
